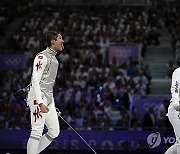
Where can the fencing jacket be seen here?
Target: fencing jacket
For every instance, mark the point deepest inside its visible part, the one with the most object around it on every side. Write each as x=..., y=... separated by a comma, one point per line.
x=45, y=68
x=175, y=86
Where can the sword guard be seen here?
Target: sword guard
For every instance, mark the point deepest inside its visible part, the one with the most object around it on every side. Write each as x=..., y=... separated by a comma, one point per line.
x=58, y=112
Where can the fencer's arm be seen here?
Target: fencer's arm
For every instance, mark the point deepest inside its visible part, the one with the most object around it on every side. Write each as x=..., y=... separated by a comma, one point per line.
x=39, y=65
x=175, y=89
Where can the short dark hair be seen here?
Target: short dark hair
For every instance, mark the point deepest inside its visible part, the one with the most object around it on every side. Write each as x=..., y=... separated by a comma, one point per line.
x=51, y=35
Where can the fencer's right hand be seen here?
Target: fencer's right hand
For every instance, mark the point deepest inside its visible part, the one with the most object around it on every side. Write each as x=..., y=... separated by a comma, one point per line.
x=44, y=108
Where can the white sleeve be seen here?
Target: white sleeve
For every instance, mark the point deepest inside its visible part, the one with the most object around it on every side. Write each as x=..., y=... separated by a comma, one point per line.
x=39, y=65
x=175, y=85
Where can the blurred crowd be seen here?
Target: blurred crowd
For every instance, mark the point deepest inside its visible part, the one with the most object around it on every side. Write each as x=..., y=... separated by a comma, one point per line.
x=91, y=30
x=10, y=10
x=88, y=87
x=3, y=19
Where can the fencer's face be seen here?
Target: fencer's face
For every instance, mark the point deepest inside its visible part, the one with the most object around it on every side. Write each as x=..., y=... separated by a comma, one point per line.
x=58, y=43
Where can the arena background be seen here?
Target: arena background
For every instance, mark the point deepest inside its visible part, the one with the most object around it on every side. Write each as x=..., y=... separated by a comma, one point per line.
x=113, y=83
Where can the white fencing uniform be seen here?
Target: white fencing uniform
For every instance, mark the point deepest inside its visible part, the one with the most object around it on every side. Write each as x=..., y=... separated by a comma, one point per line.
x=41, y=91
x=173, y=111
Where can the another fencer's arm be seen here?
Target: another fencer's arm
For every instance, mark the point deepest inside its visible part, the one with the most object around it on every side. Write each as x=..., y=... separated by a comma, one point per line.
x=175, y=89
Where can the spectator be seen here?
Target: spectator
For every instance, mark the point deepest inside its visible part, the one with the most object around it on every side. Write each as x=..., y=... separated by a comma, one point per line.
x=149, y=120
x=170, y=68
x=161, y=114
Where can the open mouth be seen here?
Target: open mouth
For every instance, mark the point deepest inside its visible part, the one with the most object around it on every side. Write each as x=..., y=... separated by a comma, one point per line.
x=62, y=46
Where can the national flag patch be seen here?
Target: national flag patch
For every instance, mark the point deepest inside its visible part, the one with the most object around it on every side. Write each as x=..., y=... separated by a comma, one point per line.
x=39, y=65
x=40, y=57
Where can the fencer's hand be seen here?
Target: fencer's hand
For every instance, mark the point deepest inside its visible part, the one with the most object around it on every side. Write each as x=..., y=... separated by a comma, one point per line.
x=176, y=105
x=44, y=108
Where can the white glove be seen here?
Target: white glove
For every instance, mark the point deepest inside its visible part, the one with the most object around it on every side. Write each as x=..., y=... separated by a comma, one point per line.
x=176, y=105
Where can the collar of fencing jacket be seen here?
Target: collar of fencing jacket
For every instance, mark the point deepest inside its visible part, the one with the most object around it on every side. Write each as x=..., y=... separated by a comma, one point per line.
x=51, y=51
